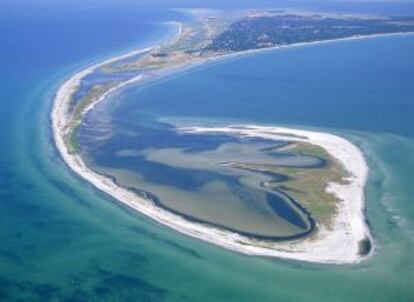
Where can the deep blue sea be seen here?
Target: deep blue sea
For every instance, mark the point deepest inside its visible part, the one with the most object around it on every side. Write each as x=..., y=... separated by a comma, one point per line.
x=62, y=240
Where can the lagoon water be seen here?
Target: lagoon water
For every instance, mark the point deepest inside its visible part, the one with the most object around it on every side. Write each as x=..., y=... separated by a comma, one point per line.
x=64, y=241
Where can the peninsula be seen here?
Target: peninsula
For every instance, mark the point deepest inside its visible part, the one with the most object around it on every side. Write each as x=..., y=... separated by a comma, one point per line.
x=328, y=199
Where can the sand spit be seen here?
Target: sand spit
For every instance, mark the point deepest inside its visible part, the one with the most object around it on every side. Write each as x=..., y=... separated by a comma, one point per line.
x=339, y=245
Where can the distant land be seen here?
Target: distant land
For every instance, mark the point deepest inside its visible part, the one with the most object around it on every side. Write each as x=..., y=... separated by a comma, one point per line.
x=270, y=29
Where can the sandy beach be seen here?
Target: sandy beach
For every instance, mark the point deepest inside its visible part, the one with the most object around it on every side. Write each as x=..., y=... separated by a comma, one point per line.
x=349, y=226
x=339, y=245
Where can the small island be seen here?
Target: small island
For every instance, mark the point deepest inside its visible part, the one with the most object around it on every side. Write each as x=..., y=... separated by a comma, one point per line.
x=325, y=199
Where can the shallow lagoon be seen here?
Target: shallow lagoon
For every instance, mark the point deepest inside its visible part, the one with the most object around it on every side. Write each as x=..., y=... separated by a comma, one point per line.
x=130, y=143
x=189, y=174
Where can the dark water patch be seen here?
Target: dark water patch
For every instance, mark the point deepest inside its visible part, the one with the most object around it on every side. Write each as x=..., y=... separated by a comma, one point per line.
x=244, y=193
x=142, y=232
x=26, y=186
x=78, y=295
x=130, y=288
x=181, y=248
x=110, y=287
x=205, y=143
x=18, y=235
x=288, y=189
x=40, y=225
x=98, y=283
x=5, y=185
x=7, y=178
x=14, y=183
x=276, y=177
x=280, y=206
x=11, y=204
x=11, y=290
x=7, y=198
x=364, y=246
x=46, y=291
x=132, y=259
x=276, y=145
x=10, y=256
x=45, y=173
x=295, y=160
x=392, y=224
x=71, y=192
x=103, y=292
x=119, y=282
x=5, y=174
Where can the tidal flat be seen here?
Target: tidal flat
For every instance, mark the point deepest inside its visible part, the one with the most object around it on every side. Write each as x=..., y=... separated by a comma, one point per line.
x=200, y=177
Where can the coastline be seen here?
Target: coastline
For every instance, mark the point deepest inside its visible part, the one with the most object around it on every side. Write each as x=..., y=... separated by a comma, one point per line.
x=349, y=225
x=327, y=247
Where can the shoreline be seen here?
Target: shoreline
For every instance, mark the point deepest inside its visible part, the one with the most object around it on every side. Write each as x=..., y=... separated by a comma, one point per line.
x=325, y=248
x=350, y=225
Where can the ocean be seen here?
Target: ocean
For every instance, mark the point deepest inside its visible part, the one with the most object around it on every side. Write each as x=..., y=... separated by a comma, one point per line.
x=62, y=240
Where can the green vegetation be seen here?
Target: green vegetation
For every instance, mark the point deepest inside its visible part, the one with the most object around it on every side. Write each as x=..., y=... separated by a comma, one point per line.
x=308, y=149
x=77, y=110
x=72, y=141
x=216, y=33
x=268, y=29
x=306, y=185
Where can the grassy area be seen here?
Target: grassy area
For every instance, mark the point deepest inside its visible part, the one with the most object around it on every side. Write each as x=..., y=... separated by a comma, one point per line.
x=77, y=110
x=189, y=47
x=307, y=185
x=72, y=141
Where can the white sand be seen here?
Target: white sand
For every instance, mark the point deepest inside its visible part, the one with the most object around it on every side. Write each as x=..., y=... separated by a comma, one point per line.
x=339, y=245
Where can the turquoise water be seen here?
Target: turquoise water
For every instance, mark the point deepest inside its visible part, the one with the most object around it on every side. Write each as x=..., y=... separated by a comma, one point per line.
x=64, y=241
